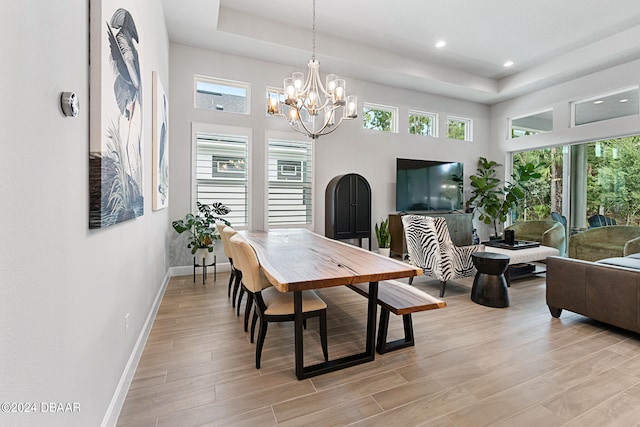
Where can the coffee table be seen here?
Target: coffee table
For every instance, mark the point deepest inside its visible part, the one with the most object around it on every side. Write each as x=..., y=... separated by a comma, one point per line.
x=524, y=256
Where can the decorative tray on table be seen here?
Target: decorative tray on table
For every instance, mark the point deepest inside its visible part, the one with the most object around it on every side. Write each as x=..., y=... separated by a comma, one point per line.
x=518, y=244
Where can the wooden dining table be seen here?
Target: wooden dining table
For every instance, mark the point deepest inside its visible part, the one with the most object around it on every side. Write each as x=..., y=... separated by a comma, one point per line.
x=295, y=260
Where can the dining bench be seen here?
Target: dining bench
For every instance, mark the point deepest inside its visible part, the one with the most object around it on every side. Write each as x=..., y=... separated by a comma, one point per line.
x=401, y=299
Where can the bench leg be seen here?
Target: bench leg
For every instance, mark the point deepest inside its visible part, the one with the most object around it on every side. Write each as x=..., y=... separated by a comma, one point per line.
x=382, y=345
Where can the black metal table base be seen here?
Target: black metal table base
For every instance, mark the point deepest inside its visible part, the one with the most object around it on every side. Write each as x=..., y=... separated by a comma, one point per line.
x=303, y=372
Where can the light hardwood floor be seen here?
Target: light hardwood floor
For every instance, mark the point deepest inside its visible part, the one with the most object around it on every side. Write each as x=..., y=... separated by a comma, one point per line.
x=471, y=366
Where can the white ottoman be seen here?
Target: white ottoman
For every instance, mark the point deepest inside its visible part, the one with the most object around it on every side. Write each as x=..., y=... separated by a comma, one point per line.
x=524, y=256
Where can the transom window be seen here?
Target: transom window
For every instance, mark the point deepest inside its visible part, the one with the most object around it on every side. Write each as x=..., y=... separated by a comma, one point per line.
x=606, y=106
x=290, y=182
x=222, y=95
x=421, y=123
x=532, y=124
x=380, y=117
x=459, y=128
x=221, y=168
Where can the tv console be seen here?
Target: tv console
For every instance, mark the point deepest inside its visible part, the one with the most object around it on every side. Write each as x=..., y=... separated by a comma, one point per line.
x=460, y=227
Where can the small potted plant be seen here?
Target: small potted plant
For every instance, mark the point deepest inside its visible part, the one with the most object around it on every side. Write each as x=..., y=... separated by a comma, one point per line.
x=383, y=237
x=201, y=228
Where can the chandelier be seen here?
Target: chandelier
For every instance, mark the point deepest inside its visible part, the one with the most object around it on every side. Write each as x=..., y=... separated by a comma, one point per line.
x=309, y=107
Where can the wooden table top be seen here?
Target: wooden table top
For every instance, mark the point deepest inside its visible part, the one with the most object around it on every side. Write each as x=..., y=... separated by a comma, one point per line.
x=298, y=259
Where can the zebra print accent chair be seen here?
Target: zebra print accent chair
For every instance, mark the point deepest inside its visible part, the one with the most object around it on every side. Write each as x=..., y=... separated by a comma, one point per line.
x=430, y=247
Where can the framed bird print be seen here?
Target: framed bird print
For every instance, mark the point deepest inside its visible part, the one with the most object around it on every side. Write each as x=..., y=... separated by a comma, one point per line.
x=116, y=116
x=160, y=145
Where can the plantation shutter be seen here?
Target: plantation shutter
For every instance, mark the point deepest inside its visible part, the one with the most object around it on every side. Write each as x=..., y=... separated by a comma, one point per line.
x=290, y=183
x=221, y=173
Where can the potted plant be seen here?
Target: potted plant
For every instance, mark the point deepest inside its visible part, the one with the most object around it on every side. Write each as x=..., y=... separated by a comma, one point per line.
x=201, y=227
x=383, y=237
x=492, y=198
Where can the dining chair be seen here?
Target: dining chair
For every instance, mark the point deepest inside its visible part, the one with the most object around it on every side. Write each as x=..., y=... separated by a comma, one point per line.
x=227, y=252
x=271, y=305
x=430, y=247
x=238, y=288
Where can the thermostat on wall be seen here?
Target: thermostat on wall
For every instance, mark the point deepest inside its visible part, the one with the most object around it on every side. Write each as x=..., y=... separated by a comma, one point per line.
x=69, y=104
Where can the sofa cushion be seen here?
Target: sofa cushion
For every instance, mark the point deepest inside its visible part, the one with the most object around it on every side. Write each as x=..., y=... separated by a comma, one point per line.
x=627, y=262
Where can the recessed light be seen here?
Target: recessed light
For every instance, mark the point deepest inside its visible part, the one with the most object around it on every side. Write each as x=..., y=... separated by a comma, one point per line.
x=508, y=64
x=440, y=44
x=624, y=100
x=598, y=101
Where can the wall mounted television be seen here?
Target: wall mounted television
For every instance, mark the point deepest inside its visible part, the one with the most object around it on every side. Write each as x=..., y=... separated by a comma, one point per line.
x=426, y=185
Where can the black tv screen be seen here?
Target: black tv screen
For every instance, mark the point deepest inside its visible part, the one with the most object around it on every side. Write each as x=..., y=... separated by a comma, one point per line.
x=425, y=185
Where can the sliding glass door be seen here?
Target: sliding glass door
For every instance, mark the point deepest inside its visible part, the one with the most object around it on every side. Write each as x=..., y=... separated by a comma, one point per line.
x=613, y=182
x=587, y=185
x=546, y=193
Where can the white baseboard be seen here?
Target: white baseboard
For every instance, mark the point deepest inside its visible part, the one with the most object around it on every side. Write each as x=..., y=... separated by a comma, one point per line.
x=186, y=270
x=117, y=401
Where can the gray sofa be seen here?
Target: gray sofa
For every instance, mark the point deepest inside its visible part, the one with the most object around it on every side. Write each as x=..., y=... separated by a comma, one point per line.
x=607, y=290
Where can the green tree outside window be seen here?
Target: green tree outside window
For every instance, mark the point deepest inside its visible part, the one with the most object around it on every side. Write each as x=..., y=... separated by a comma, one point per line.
x=456, y=130
x=420, y=125
x=378, y=120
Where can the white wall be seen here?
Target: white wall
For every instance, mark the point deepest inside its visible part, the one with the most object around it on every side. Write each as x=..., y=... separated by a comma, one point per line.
x=350, y=149
x=559, y=98
x=64, y=289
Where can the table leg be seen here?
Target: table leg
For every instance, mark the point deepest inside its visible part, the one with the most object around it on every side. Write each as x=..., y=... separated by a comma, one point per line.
x=368, y=355
x=299, y=347
x=371, y=320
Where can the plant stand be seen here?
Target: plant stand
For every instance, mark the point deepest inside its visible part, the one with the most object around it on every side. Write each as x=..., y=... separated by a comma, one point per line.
x=204, y=266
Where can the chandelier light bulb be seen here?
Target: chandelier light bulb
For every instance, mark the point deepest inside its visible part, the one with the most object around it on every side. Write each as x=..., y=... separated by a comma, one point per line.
x=331, y=83
x=293, y=116
x=351, y=112
x=289, y=89
x=298, y=80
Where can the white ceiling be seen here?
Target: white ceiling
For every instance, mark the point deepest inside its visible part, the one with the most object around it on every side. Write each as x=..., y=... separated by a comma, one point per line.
x=393, y=42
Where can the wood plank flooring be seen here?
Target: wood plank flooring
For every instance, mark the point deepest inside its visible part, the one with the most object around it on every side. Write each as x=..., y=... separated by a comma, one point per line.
x=471, y=366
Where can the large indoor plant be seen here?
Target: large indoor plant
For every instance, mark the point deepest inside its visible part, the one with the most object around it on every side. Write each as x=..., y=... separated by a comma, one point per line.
x=201, y=226
x=383, y=237
x=492, y=198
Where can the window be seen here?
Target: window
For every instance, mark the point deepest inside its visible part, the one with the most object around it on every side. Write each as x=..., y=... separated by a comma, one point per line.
x=604, y=107
x=612, y=181
x=459, y=128
x=222, y=95
x=380, y=117
x=545, y=194
x=290, y=182
x=221, y=167
x=421, y=123
x=532, y=124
